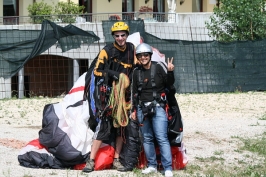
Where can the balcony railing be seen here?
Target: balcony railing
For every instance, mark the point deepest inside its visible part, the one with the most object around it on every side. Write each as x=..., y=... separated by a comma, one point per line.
x=88, y=18
x=10, y=20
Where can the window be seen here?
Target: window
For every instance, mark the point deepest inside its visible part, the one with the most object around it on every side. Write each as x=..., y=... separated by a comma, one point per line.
x=158, y=5
x=159, y=9
x=87, y=4
x=87, y=9
x=127, y=9
x=10, y=8
x=197, y=6
x=127, y=5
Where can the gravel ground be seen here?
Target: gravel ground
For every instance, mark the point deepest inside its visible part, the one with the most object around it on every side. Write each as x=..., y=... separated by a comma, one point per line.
x=211, y=121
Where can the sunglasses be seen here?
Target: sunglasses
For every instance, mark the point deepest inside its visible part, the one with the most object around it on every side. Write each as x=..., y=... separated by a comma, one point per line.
x=142, y=54
x=117, y=35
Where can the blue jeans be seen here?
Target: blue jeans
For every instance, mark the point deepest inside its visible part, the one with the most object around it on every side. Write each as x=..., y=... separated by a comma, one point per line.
x=156, y=127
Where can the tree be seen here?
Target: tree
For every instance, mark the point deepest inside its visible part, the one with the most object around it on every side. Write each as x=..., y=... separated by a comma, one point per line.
x=238, y=20
x=40, y=11
x=64, y=11
x=67, y=11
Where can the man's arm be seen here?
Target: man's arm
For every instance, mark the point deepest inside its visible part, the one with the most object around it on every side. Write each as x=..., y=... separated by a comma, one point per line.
x=100, y=64
x=100, y=70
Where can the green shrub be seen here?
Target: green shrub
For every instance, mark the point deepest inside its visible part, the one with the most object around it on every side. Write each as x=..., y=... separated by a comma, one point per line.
x=238, y=20
x=65, y=12
x=68, y=11
x=40, y=11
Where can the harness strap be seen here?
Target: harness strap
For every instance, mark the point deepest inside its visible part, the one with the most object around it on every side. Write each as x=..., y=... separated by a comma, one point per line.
x=153, y=69
x=125, y=65
x=161, y=100
x=140, y=85
x=115, y=57
x=153, y=84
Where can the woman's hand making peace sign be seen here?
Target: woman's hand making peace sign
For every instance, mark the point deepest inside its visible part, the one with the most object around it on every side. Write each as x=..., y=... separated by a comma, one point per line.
x=170, y=66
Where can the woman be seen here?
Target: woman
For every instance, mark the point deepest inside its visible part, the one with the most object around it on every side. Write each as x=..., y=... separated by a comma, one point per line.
x=148, y=91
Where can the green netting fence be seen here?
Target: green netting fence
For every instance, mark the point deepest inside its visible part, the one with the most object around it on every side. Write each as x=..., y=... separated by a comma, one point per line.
x=200, y=66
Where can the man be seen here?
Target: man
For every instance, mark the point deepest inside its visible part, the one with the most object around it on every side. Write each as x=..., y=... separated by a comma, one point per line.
x=113, y=59
x=149, y=83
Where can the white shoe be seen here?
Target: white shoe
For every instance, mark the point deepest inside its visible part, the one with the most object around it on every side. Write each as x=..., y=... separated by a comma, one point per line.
x=168, y=173
x=149, y=170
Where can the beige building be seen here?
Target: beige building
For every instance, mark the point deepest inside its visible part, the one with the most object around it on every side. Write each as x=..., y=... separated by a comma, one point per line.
x=19, y=7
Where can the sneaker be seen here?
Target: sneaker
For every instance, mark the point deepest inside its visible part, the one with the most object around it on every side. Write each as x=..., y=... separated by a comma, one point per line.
x=168, y=173
x=89, y=166
x=117, y=165
x=149, y=170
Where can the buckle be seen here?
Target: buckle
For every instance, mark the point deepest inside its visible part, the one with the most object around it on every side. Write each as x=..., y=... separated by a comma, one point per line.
x=163, y=97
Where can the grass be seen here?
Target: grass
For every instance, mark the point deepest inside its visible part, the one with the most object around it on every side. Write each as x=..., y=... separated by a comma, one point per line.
x=263, y=117
x=253, y=165
x=216, y=166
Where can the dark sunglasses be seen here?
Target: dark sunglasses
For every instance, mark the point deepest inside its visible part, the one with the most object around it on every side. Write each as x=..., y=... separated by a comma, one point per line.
x=122, y=35
x=142, y=54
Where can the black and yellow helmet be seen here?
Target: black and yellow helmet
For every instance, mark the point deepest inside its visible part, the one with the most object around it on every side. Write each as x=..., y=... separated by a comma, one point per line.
x=119, y=26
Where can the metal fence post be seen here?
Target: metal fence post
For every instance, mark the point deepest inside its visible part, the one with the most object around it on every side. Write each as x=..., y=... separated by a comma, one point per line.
x=21, y=83
x=75, y=70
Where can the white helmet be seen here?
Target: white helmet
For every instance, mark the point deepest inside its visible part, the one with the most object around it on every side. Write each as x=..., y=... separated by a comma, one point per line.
x=143, y=48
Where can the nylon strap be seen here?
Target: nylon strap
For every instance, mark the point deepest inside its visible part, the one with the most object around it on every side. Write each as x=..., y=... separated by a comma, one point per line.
x=153, y=69
x=141, y=75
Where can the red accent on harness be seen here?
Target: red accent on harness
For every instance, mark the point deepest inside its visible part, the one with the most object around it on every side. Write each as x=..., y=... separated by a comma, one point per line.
x=163, y=97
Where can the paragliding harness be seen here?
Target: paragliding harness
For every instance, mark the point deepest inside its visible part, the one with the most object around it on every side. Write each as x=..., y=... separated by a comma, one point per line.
x=103, y=86
x=95, y=91
x=148, y=110
x=166, y=100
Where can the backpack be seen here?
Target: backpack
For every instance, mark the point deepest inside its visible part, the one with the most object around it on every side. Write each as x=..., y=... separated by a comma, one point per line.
x=175, y=124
